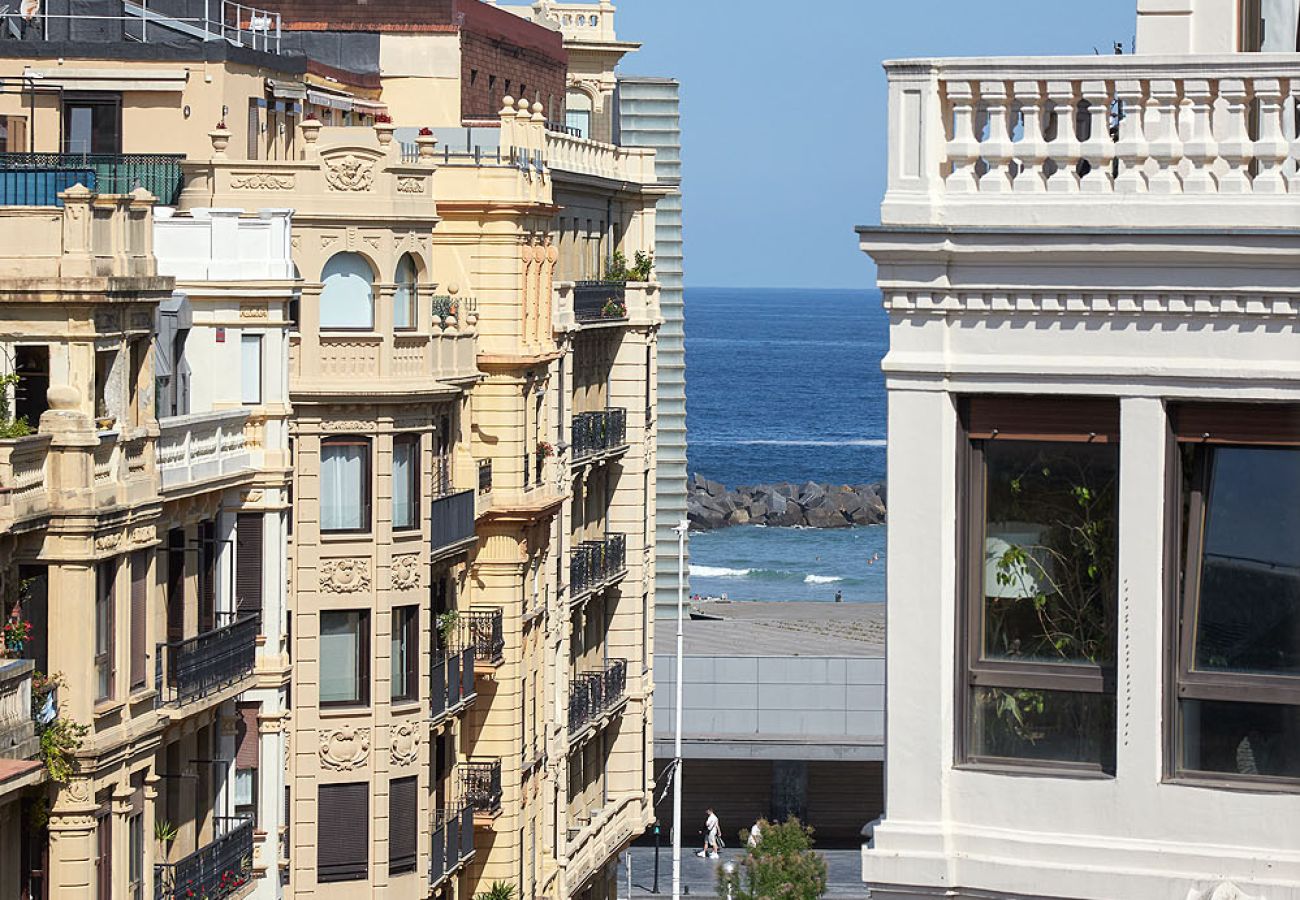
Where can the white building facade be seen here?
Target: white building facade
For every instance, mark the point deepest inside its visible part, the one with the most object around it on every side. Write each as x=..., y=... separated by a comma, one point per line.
x=1091, y=269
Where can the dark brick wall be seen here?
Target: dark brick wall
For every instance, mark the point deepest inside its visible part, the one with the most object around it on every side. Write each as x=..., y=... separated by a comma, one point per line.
x=492, y=69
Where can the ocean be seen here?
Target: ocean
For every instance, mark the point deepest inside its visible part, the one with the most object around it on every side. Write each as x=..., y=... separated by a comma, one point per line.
x=785, y=385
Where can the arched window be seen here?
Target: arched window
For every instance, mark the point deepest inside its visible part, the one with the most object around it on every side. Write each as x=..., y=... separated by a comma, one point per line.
x=578, y=112
x=405, y=293
x=347, y=296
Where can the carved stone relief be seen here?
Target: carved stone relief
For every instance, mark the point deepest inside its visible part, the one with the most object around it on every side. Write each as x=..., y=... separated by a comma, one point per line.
x=410, y=185
x=406, y=744
x=344, y=576
x=405, y=572
x=261, y=181
x=342, y=749
x=349, y=173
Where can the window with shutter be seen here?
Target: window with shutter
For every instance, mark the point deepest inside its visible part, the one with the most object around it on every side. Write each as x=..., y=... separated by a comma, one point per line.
x=248, y=564
x=247, y=742
x=139, y=613
x=207, y=576
x=175, y=584
x=403, y=809
x=343, y=832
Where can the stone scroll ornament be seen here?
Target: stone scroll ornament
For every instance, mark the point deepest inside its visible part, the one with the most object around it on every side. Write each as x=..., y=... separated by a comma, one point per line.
x=405, y=749
x=349, y=173
x=344, y=576
x=405, y=573
x=342, y=749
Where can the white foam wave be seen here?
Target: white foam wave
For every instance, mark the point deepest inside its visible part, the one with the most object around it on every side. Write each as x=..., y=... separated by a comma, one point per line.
x=710, y=442
x=821, y=579
x=717, y=572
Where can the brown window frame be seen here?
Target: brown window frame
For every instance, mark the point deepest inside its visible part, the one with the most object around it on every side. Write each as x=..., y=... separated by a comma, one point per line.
x=407, y=620
x=1207, y=427
x=363, y=657
x=984, y=419
x=139, y=620
x=408, y=439
x=106, y=656
x=367, y=477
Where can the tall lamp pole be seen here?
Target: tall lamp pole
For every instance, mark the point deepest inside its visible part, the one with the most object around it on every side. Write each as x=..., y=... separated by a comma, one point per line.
x=681, y=530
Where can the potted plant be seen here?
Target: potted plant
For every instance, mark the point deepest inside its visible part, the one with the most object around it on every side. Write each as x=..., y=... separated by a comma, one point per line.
x=447, y=623
x=545, y=450
x=426, y=143
x=9, y=426
x=613, y=309
x=15, y=633
x=220, y=137
x=384, y=128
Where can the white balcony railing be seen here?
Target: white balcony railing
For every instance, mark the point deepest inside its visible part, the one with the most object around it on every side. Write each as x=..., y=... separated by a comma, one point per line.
x=202, y=447
x=1106, y=141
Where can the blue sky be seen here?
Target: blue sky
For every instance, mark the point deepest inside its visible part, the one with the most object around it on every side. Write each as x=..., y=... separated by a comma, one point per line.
x=784, y=113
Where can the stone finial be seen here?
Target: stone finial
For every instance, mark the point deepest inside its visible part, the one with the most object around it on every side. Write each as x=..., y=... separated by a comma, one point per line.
x=539, y=112
x=64, y=417
x=507, y=105
x=523, y=108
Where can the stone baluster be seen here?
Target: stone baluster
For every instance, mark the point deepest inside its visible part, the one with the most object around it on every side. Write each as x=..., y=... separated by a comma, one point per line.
x=996, y=148
x=1165, y=147
x=1099, y=148
x=1131, y=148
x=1292, y=110
x=1031, y=149
x=963, y=149
x=1272, y=150
x=1200, y=148
x=1064, y=148
x=1235, y=147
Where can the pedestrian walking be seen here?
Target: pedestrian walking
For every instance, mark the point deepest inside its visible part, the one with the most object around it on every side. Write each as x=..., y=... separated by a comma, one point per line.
x=712, y=835
x=755, y=835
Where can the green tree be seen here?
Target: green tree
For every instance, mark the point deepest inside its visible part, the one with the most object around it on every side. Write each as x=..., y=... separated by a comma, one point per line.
x=782, y=866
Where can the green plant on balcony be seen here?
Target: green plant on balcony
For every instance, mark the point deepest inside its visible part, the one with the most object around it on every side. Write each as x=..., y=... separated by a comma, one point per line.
x=9, y=426
x=16, y=633
x=613, y=309
x=500, y=890
x=619, y=272
x=447, y=624
x=60, y=738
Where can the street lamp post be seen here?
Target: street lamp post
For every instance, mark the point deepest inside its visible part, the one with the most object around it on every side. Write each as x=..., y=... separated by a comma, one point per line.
x=681, y=530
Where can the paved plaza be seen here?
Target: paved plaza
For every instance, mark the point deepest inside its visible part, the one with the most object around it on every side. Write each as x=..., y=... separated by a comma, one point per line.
x=699, y=876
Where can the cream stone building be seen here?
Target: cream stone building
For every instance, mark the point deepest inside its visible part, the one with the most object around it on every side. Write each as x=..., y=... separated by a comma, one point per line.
x=1089, y=265
x=364, y=529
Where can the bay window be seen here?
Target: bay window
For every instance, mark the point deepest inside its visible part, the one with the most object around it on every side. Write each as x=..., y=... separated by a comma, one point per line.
x=1039, y=482
x=406, y=482
x=345, y=484
x=345, y=658
x=1238, y=622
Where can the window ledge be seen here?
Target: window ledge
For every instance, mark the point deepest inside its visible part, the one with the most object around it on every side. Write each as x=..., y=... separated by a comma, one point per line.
x=406, y=707
x=142, y=694
x=1036, y=770
x=359, y=710
x=1241, y=784
x=108, y=707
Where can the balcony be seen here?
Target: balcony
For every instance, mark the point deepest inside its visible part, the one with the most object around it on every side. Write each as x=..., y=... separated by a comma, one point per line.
x=599, y=301
x=481, y=784
x=333, y=363
x=568, y=154
x=36, y=179
x=451, y=520
x=451, y=844
x=599, y=435
x=220, y=869
x=486, y=634
x=451, y=682
x=595, y=695
x=1093, y=142
x=198, y=450
x=23, y=471
x=18, y=739
x=211, y=663
x=595, y=565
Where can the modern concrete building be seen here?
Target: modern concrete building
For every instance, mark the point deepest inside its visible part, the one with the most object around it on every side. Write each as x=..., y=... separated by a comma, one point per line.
x=378, y=456
x=1094, y=423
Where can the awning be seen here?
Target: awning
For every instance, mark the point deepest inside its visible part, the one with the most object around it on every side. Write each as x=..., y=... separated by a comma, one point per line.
x=286, y=90
x=330, y=100
x=369, y=106
x=169, y=80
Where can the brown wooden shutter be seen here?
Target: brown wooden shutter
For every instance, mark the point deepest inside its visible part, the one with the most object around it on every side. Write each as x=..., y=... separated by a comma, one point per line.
x=1275, y=424
x=246, y=736
x=343, y=832
x=403, y=810
x=207, y=576
x=139, y=617
x=175, y=584
x=248, y=564
x=1041, y=418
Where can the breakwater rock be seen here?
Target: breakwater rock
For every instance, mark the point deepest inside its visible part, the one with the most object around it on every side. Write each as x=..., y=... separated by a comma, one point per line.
x=710, y=505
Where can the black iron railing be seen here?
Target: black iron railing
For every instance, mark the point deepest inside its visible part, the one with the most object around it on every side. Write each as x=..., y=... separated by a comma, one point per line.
x=485, y=476
x=218, y=870
x=592, y=694
x=452, y=842
x=451, y=520
x=598, y=432
x=481, y=783
x=596, y=563
x=486, y=634
x=28, y=176
x=451, y=681
x=595, y=301
x=192, y=669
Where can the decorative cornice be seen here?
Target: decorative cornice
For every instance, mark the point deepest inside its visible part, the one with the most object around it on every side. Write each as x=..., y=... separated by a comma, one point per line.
x=1109, y=303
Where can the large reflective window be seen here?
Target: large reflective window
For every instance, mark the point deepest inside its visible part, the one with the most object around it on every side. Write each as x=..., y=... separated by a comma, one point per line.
x=347, y=293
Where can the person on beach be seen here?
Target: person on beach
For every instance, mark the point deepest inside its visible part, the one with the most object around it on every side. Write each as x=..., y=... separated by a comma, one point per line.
x=712, y=836
x=839, y=596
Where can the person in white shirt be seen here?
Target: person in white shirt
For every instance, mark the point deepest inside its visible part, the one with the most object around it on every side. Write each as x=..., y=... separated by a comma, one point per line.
x=755, y=835
x=712, y=836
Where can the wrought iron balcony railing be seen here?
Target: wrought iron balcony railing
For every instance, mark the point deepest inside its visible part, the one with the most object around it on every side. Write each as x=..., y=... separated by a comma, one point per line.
x=598, y=301
x=451, y=520
x=593, y=694
x=485, y=476
x=451, y=681
x=451, y=843
x=600, y=432
x=595, y=564
x=481, y=783
x=486, y=634
x=217, y=870
x=192, y=669
x=35, y=179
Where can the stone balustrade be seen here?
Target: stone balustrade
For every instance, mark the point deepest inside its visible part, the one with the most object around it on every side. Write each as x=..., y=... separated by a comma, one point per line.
x=23, y=476
x=582, y=156
x=636, y=303
x=93, y=235
x=1104, y=141
x=583, y=21
x=17, y=732
x=201, y=448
